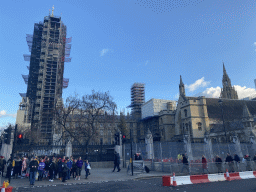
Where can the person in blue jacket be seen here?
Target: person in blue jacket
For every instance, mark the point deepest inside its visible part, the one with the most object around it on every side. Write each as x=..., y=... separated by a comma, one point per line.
x=87, y=167
x=69, y=165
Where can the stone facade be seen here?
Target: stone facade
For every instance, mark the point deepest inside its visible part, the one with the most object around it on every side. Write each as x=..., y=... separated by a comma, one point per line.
x=197, y=117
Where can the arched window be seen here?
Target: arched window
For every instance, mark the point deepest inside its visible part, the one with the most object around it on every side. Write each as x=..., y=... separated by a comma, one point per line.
x=185, y=112
x=199, y=126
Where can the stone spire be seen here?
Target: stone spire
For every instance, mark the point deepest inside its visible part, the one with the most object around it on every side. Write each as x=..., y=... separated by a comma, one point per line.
x=181, y=87
x=227, y=92
x=224, y=70
x=225, y=79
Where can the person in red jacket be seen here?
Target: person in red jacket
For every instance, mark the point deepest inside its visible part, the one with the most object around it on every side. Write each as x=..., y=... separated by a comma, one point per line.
x=204, y=164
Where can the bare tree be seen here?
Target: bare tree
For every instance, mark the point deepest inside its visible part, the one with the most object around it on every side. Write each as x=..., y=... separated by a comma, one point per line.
x=79, y=120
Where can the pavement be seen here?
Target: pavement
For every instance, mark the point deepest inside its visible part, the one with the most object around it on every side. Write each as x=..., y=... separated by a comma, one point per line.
x=98, y=175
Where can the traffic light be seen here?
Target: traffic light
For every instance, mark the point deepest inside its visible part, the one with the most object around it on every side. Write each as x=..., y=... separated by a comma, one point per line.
x=123, y=139
x=117, y=139
x=19, y=139
x=7, y=135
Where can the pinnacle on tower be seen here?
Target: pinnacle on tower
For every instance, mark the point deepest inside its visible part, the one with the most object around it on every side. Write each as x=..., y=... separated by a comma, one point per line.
x=224, y=70
x=181, y=83
x=181, y=87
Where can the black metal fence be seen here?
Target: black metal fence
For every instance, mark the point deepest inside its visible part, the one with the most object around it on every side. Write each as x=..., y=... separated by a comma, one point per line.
x=94, y=153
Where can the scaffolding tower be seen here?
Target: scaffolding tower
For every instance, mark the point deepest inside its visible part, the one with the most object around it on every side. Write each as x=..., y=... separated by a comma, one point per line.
x=49, y=49
x=137, y=99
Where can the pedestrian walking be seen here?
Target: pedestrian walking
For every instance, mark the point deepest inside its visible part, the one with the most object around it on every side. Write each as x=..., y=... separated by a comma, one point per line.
x=56, y=171
x=4, y=164
x=60, y=168
x=237, y=162
x=248, y=166
x=24, y=166
x=1, y=164
x=64, y=170
x=218, y=162
x=9, y=169
x=33, y=166
x=15, y=168
x=204, y=164
x=116, y=162
x=185, y=164
x=179, y=157
x=19, y=166
x=229, y=160
x=51, y=170
x=47, y=164
x=254, y=158
x=69, y=164
x=41, y=168
x=254, y=162
x=87, y=168
x=79, y=165
x=74, y=168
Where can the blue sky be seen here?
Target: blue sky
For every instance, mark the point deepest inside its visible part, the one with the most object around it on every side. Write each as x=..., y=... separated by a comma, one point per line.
x=118, y=42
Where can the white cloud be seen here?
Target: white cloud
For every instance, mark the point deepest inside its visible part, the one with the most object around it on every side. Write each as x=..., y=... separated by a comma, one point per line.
x=198, y=83
x=214, y=92
x=104, y=52
x=244, y=92
x=4, y=114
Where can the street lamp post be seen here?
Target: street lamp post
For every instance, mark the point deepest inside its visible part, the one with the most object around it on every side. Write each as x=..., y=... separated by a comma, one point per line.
x=221, y=104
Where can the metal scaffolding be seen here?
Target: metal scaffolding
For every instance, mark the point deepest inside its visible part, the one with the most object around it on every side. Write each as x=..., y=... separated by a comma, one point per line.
x=49, y=49
x=137, y=98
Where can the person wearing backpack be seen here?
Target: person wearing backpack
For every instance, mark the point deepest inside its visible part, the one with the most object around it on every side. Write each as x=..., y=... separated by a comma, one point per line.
x=87, y=168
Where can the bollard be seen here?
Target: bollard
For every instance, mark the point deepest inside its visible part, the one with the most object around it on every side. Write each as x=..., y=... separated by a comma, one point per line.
x=166, y=181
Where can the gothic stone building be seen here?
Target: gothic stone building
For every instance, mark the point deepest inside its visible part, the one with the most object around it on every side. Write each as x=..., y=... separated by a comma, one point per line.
x=200, y=116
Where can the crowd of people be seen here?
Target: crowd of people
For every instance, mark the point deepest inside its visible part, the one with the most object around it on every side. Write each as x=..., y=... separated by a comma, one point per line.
x=234, y=163
x=39, y=168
